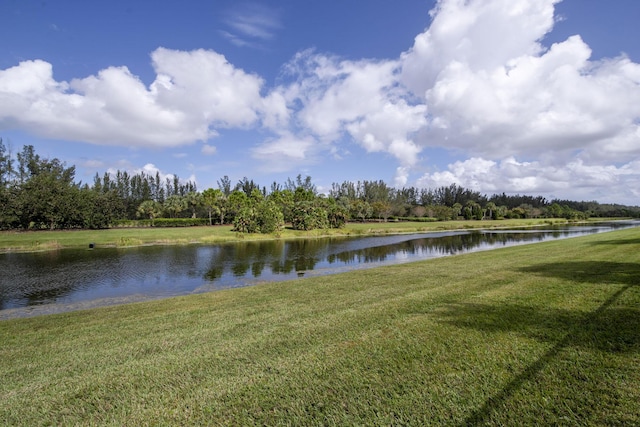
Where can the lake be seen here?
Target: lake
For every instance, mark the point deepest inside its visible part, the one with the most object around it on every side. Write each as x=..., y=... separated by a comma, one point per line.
x=63, y=280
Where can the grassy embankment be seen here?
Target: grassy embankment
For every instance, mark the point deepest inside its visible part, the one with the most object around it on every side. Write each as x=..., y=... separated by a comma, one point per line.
x=544, y=334
x=122, y=237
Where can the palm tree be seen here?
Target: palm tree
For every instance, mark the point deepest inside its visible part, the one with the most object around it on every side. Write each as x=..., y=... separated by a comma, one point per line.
x=151, y=209
x=210, y=201
x=174, y=204
x=193, y=200
x=491, y=207
x=457, y=207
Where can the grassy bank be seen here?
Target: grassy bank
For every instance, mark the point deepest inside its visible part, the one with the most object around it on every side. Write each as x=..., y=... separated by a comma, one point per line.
x=544, y=334
x=121, y=237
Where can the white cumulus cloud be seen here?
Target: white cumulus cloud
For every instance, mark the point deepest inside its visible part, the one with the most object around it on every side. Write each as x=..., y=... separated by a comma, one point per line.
x=193, y=94
x=356, y=99
x=208, y=150
x=285, y=152
x=495, y=93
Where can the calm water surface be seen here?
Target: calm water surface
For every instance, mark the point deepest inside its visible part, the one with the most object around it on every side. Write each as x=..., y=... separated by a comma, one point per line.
x=64, y=280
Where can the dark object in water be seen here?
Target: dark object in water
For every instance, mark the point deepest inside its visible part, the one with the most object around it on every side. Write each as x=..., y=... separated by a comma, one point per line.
x=91, y=245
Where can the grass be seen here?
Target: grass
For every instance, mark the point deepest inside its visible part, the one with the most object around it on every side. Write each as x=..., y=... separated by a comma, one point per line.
x=31, y=241
x=543, y=334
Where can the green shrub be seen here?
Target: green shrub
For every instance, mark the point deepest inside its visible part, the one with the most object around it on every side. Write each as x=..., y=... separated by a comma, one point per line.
x=416, y=219
x=180, y=222
x=130, y=223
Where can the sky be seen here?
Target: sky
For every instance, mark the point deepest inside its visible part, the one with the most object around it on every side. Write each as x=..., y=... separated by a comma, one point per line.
x=537, y=97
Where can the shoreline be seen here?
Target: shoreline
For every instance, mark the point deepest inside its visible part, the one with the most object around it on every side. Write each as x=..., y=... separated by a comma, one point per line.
x=45, y=240
x=62, y=307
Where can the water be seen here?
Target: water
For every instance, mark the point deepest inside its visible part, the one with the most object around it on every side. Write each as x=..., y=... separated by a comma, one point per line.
x=56, y=281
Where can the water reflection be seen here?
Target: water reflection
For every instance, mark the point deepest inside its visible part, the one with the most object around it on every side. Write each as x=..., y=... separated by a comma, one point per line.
x=67, y=277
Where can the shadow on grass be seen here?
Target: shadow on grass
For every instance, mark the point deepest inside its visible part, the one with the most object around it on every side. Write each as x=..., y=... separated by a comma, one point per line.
x=600, y=272
x=608, y=328
x=618, y=242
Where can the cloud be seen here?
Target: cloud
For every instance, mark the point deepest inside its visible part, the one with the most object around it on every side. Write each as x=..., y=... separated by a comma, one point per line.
x=359, y=99
x=492, y=88
x=574, y=180
x=285, y=152
x=495, y=93
x=235, y=39
x=483, y=34
x=401, y=177
x=251, y=22
x=193, y=94
x=92, y=163
x=208, y=150
x=203, y=84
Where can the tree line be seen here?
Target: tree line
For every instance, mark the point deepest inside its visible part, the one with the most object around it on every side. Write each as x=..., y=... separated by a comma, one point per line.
x=41, y=193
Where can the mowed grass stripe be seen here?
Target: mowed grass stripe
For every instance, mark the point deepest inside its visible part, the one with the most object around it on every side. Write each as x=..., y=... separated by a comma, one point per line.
x=538, y=334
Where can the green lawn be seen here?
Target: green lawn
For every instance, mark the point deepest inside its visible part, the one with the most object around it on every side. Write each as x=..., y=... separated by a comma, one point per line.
x=541, y=334
x=51, y=240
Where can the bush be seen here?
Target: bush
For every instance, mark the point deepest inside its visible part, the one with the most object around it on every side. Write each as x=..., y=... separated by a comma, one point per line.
x=270, y=217
x=415, y=219
x=130, y=223
x=307, y=216
x=180, y=222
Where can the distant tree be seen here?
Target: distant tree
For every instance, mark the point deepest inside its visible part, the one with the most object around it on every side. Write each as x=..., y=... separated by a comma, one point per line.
x=99, y=209
x=472, y=210
x=361, y=209
x=418, y=211
x=275, y=187
x=456, y=210
x=214, y=201
x=285, y=200
x=269, y=217
x=194, y=201
x=555, y=211
x=8, y=208
x=491, y=209
x=256, y=196
x=236, y=201
x=308, y=215
x=247, y=186
x=6, y=165
x=48, y=196
x=304, y=183
x=337, y=214
x=174, y=205
x=442, y=213
x=224, y=184
x=302, y=194
x=245, y=219
x=150, y=209
x=375, y=191
x=382, y=209
x=427, y=197
x=477, y=211
x=28, y=162
x=501, y=212
x=345, y=191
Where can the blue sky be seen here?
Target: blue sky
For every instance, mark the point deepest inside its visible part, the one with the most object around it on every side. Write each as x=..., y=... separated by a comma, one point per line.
x=519, y=96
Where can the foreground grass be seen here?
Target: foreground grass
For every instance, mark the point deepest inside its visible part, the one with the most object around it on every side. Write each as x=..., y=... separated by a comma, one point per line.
x=543, y=334
x=122, y=237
